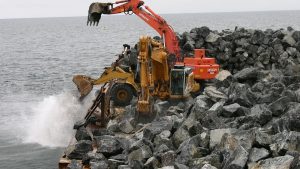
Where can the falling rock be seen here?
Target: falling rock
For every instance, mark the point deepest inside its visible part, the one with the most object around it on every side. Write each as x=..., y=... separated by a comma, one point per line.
x=283, y=162
x=108, y=145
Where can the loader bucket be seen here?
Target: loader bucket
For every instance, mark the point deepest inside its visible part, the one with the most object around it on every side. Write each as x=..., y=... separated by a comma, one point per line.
x=95, y=12
x=84, y=84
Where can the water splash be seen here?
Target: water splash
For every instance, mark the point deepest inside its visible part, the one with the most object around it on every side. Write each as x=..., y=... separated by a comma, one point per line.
x=53, y=118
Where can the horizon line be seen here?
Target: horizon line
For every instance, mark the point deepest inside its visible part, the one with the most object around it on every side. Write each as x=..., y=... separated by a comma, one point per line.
x=49, y=17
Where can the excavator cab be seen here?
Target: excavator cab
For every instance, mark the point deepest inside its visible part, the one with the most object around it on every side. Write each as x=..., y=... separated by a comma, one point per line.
x=179, y=81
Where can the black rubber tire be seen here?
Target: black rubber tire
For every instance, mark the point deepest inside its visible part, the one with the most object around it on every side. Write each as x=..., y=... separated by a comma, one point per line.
x=121, y=94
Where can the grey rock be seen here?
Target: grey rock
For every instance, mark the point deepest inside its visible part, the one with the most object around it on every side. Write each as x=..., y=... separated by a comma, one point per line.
x=78, y=150
x=217, y=134
x=279, y=106
x=212, y=37
x=124, y=167
x=261, y=114
x=82, y=134
x=125, y=126
x=246, y=74
x=108, y=145
x=152, y=162
x=231, y=110
x=214, y=94
x=99, y=164
x=257, y=154
x=168, y=158
x=208, y=166
x=156, y=127
x=74, y=165
x=283, y=162
x=180, y=166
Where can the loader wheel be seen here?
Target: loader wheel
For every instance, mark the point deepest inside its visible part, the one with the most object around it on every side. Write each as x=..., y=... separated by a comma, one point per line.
x=121, y=94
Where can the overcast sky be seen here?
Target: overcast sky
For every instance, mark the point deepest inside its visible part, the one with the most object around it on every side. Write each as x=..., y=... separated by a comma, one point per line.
x=58, y=8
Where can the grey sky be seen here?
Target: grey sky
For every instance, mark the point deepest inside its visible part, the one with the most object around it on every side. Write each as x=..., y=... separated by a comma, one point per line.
x=57, y=8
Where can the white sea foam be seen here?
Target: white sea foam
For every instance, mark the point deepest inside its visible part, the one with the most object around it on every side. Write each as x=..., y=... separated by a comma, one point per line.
x=52, y=121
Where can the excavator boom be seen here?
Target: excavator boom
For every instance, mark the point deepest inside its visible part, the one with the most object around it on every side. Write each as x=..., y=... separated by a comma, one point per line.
x=204, y=68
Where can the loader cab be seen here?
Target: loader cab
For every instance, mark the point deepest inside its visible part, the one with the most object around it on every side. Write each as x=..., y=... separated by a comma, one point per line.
x=178, y=80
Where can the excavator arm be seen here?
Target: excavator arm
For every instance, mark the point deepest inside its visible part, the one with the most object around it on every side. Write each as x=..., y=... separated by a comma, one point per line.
x=145, y=13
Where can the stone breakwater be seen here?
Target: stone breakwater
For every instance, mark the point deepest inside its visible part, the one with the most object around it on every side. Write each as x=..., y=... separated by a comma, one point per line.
x=248, y=119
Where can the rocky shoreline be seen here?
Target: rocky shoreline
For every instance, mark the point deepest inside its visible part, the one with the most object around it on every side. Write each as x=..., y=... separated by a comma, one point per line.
x=248, y=119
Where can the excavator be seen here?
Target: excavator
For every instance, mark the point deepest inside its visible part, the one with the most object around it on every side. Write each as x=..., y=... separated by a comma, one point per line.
x=203, y=68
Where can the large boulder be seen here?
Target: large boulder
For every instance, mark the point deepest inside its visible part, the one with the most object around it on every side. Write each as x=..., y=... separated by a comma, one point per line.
x=108, y=145
x=283, y=162
x=79, y=150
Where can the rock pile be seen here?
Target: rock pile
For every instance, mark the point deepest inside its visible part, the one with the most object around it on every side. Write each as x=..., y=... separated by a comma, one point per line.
x=249, y=118
x=242, y=48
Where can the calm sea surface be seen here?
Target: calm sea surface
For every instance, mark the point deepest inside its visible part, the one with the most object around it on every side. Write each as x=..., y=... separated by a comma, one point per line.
x=38, y=58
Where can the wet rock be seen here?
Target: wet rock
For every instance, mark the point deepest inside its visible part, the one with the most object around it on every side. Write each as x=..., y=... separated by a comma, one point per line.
x=82, y=134
x=79, y=150
x=283, y=162
x=108, y=145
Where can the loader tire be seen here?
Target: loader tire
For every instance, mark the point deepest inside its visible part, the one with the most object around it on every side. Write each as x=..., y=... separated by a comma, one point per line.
x=121, y=94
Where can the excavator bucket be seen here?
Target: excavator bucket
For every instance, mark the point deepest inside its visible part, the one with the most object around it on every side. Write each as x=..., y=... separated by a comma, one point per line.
x=96, y=10
x=84, y=84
